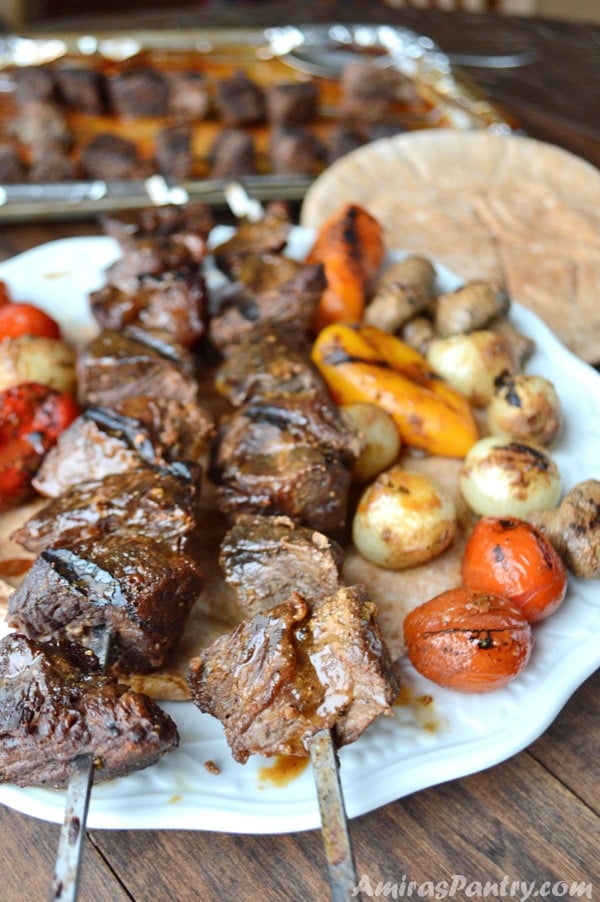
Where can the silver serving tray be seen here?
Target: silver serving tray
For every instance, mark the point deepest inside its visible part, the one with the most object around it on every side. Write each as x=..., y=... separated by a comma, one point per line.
x=316, y=49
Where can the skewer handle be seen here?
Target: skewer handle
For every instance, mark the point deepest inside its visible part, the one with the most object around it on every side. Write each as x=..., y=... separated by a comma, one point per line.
x=334, y=825
x=65, y=883
x=67, y=868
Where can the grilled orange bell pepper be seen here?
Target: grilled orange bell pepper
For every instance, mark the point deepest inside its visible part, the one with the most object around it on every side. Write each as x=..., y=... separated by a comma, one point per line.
x=361, y=363
x=350, y=247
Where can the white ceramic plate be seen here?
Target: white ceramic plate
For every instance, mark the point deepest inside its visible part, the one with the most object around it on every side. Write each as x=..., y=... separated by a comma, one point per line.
x=421, y=746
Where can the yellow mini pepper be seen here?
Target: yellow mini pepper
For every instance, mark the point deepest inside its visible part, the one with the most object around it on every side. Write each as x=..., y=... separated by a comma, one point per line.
x=363, y=363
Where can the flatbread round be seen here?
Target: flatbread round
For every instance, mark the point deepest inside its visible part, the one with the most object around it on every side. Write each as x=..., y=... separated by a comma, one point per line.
x=521, y=212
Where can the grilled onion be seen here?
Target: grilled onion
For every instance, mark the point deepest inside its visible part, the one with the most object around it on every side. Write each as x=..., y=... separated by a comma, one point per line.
x=403, y=519
x=503, y=477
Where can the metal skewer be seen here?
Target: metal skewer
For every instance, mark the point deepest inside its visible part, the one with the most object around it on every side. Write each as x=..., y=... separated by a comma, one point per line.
x=334, y=826
x=67, y=868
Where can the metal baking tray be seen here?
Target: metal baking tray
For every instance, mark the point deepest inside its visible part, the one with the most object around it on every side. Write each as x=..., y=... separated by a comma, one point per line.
x=267, y=55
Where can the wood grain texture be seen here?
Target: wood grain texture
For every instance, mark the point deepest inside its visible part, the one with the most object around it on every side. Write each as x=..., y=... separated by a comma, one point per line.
x=27, y=854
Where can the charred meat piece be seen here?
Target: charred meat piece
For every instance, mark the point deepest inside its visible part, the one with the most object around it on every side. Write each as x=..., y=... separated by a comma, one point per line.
x=179, y=253
x=295, y=150
x=265, y=558
x=134, y=362
x=112, y=157
x=34, y=83
x=175, y=302
x=233, y=154
x=189, y=96
x=177, y=431
x=81, y=89
x=287, y=309
x=42, y=124
x=292, y=103
x=173, y=151
x=139, y=431
x=263, y=272
x=342, y=139
x=52, y=164
x=268, y=235
x=150, y=501
x=286, y=454
x=136, y=92
x=262, y=365
x=239, y=100
x=12, y=168
x=193, y=219
x=369, y=92
x=278, y=679
x=55, y=704
x=138, y=588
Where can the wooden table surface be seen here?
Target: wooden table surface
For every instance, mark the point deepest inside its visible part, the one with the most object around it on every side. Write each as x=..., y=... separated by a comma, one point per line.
x=533, y=818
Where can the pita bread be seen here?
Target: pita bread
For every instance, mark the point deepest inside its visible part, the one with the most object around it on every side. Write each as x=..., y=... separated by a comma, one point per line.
x=520, y=212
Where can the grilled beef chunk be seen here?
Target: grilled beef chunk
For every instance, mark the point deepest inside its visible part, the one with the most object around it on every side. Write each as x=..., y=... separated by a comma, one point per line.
x=239, y=100
x=51, y=164
x=295, y=150
x=173, y=151
x=34, y=83
x=178, y=431
x=81, y=89
x=55, y=704
x=112, y=157
x=267, y=235
x=342, y=139
x=369, y=92
x=278, y=679
x=292, y=103
x=136, y=92
x=286, y=454
x=175, y=302
x=233, y=154
x=12, y=168
x=189, y=96
x=118, y=365
x=288, y=309
x=139, y=588
x=265, y=272
x=194, y=219
x=264, y=558
x=42, y=124
x=179, y=254
x=139, y=430
x=262, y=365
x=150, y=501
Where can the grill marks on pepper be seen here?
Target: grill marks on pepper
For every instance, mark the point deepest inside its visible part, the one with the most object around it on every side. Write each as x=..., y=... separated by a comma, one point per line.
x=336, y=356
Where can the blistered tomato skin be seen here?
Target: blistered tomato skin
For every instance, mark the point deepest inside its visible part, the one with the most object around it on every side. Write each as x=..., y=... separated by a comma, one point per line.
x=467, y=640
x=25, y=319
x=511, y=557
x=32, y=416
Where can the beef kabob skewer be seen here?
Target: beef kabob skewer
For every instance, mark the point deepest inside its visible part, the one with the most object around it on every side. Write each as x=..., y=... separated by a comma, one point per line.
x=138, y=493
x=285, y=430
